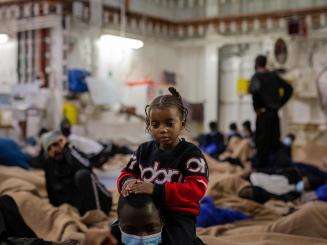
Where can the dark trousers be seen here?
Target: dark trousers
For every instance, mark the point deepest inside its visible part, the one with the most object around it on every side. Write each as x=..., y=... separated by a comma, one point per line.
x=91, y=193
x=315, y=176
x=179, y=229
x=260, y=195
x=267, y=137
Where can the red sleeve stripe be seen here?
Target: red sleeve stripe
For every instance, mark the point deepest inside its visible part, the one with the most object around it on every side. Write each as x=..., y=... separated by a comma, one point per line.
x=122, y=178
x=186, y=195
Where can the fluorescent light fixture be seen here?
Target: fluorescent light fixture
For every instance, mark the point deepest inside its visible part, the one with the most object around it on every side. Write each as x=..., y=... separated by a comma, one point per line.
x=121, y=42
x=3, y=38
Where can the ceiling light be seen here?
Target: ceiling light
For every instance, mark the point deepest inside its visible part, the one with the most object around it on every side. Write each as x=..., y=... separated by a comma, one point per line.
x=3, y=38
x=121, y=42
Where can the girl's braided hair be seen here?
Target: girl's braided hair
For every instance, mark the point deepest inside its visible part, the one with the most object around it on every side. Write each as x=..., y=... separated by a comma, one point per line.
x=173, y=99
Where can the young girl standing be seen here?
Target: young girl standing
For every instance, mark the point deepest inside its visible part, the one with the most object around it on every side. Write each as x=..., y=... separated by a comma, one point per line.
x=169, y=168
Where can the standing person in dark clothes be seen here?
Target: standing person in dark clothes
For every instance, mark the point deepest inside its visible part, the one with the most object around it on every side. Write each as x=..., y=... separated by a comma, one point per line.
x=170, y=169
x=269, y=93
x=69, y=178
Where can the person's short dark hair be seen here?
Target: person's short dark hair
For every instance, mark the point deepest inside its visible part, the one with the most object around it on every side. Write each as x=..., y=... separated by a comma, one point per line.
x=65, y=127
x=235, y=136
x=233, y=126
x=134, y=200
x=260, y=61
x=247, y=124
x=43, y=131
x=213, y=126
x=291, y=136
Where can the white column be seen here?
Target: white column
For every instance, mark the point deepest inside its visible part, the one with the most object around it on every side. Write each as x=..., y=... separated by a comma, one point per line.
x=56, y=74
x=96, y=12
x=210, y=83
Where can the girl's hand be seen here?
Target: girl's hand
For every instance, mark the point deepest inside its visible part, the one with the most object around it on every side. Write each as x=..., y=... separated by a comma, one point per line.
x=142, y=187
x=126, y=190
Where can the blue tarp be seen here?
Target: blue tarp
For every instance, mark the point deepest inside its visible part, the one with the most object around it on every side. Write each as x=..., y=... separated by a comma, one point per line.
x=321, y=193
x=211, y=215
x=76, y=80
x=11, y=154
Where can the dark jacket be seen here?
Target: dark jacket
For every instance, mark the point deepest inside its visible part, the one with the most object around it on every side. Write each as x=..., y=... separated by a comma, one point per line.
x=60, y=176
x=269, y=90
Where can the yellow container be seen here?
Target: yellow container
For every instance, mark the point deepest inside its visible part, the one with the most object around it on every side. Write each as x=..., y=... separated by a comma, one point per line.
x=71, y=112
x=243, y=86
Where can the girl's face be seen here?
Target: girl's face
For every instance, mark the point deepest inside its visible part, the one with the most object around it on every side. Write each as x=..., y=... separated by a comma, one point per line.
x=165, y=126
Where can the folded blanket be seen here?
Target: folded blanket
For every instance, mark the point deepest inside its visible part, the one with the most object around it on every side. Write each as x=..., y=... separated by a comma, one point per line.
x=34, y=178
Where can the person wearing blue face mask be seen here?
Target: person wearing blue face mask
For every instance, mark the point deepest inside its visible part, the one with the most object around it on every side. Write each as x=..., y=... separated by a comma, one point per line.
x=288, y=143
x=139, y=221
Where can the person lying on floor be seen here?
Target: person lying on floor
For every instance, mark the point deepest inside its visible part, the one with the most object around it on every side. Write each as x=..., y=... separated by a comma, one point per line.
x=98, y=153
x=69, y=177
x=287, y=184
x=13, y=229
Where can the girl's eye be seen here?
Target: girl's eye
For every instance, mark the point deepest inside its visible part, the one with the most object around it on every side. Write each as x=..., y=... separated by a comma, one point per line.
x=154, y=125
x=170, y=124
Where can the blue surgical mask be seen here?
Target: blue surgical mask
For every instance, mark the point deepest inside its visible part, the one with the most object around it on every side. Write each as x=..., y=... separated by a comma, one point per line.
x=287, y=141
x=129, y=239
x=299, y=187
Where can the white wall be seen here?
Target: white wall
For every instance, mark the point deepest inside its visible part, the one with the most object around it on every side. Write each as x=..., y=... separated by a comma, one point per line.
x=128, y=65
x=196, y=66
x=121, y=66
x=191, y=73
